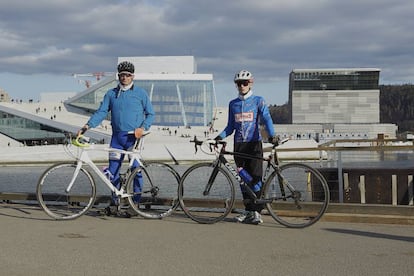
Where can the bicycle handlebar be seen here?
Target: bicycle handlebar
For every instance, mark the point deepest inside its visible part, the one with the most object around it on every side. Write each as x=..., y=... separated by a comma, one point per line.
x=278, y=142
x=81, y=141
x=213, y=145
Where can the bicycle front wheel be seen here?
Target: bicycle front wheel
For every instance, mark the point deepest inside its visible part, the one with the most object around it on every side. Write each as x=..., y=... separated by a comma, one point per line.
x=55, y=198
x=158, y=197
x=202, y=202
x=299, y=193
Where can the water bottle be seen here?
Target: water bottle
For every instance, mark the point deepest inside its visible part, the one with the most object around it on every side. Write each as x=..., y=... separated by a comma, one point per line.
x=108, y=174
x=257, y=186
x=244, y=175
x=247, y=179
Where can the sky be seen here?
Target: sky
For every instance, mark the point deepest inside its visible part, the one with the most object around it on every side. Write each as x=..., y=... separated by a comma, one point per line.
x=43, y=43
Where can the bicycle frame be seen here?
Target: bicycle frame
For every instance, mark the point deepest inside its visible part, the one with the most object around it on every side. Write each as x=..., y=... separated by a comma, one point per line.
x=221, y=159
x=133, y=155
x=272, y=162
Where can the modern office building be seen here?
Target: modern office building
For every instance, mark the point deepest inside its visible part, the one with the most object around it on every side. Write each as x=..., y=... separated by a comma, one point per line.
x=344, y=96
x=179, y=95
x=343, y=103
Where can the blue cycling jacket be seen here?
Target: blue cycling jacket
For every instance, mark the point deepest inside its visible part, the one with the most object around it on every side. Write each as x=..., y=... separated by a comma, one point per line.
x=245, y=113
x=130, y=109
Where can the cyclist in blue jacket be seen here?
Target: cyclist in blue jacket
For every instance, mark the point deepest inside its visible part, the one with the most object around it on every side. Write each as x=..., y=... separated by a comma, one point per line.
x=245, y=113
x=131, y=114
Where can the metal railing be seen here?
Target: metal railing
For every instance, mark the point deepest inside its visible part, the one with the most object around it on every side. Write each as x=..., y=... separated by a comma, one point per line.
x=349, y=159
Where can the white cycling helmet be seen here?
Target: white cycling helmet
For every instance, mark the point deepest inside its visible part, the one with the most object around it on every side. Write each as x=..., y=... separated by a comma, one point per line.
x=243, y=75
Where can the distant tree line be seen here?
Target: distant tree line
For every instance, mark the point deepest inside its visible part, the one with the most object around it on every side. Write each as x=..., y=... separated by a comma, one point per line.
x=396, y=107
x=280, y=113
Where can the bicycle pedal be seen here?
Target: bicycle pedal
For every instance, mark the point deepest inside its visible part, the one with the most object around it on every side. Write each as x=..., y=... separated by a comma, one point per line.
x=123, y=214
x=111, y=210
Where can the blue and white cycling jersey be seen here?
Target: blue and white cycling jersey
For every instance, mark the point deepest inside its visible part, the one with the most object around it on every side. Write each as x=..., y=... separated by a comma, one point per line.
x=245, y=113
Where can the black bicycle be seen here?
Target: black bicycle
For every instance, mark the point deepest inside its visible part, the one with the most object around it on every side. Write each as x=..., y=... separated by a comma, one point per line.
x=295, y=194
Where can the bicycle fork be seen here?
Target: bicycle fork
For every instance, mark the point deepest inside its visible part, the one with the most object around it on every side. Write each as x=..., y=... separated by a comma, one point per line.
x=75, y=175
x=211, y=179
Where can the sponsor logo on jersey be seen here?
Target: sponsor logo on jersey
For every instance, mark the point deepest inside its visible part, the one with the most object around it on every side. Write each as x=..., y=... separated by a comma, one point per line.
x=244, y=117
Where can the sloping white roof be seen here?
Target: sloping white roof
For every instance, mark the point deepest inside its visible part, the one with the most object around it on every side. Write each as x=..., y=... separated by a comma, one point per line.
x=162, y=64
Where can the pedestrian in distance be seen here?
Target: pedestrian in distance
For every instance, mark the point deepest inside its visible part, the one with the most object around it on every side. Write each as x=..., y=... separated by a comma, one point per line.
x=131, y=114
x=245, y=113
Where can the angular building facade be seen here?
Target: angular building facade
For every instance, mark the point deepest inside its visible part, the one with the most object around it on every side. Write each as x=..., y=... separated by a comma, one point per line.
x=335, y=104
x=345, y=96
x=29, y=132
x=179, y=95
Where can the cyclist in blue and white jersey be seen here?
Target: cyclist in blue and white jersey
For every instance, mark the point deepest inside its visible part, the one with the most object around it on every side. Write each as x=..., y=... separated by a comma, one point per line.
x=131, y=114
x=245, y=113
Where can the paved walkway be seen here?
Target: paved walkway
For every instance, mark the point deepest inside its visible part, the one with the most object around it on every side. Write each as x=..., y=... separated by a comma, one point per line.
x=33, y=244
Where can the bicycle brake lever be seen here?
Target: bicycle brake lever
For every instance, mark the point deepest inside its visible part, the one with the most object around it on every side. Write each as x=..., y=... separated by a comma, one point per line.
x=211, y=147
x=196, y=143
x=212, y=144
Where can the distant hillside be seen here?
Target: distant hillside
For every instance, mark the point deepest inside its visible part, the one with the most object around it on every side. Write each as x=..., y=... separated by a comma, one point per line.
x=280, y=113
x=396, y=107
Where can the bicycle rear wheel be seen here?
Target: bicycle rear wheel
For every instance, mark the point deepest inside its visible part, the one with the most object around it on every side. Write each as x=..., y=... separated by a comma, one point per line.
x=302, y=206
x=158, y=197
x=199, y=205
x=61, y=204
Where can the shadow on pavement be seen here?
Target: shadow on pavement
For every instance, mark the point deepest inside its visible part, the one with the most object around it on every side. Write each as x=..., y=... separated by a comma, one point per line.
x=20, y=211
x=371, y=234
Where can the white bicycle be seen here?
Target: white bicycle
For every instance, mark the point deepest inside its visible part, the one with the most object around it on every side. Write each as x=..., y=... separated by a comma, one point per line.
x=67, y=190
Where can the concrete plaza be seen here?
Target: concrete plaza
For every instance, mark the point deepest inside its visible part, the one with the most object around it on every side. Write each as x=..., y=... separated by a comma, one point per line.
x=34, y=244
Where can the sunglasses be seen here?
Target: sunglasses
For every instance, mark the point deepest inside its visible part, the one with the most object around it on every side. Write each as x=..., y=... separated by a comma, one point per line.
x=243, y=82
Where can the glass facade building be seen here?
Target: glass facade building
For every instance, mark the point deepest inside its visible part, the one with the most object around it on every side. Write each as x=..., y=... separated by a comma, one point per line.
x=28, y=131
x=181, y=103
x=178, y=99
x=179, y=95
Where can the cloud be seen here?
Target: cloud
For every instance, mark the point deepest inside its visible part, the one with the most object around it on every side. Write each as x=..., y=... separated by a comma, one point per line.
x=267, y=37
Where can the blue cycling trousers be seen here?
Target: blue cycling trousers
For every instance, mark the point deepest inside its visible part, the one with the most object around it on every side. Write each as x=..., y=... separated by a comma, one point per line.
x=123, y=140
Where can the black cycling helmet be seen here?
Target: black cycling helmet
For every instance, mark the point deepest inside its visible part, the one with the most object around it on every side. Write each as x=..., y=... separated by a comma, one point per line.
x=126, y=66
